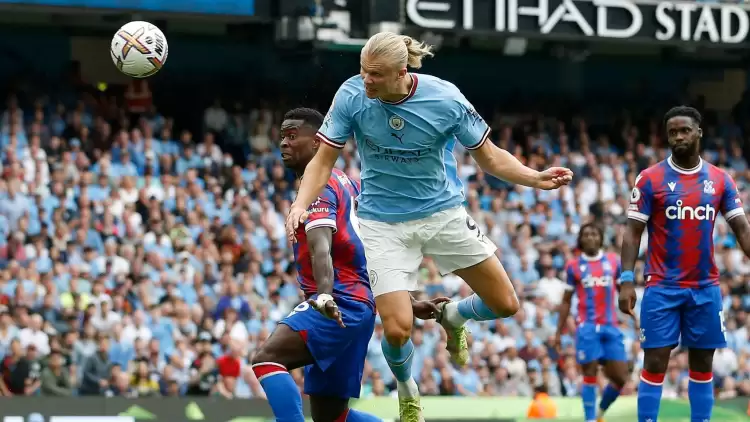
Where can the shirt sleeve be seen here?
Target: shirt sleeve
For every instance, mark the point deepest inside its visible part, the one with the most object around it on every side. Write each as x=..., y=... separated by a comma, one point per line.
x=731, y=204
x=323, y=210
x=641, y=198
x=471, y=130
x=337, y=124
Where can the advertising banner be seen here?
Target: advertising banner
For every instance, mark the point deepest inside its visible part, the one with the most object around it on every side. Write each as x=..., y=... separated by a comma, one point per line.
x=436, y=409
x=668, y=22
x=206, y=7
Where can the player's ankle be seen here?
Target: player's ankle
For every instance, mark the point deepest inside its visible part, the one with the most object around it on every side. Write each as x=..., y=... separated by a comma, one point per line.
x=408, y=388
x=452, y=315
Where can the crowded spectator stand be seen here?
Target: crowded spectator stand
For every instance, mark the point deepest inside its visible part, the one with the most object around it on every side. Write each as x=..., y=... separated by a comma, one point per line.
x=139, y=260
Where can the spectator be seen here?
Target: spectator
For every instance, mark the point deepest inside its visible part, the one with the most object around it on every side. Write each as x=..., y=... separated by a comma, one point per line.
x=56, y=380
x=203, y=376
x=144, y=382
x=34, y=336
x=120, y=386
x=96, y=369
x=15, y=369
x=168, y=244
x=543, y=407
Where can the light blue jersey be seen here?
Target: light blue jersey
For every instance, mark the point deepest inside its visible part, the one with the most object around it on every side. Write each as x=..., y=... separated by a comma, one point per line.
x=406, y=174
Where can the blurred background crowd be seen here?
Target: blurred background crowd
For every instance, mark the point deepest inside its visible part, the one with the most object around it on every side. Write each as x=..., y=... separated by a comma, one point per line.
x=142, y=247
x=141, y=260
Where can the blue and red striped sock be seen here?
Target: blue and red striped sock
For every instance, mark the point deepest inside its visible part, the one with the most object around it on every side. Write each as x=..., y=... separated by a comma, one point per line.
x=701, y=395
x=281, y=391
x=588, y=394
x=649, y=396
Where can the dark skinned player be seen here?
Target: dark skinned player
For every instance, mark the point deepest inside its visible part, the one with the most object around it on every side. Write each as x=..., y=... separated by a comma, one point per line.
x=592, y=276
x=678, y=200
x=327, y=334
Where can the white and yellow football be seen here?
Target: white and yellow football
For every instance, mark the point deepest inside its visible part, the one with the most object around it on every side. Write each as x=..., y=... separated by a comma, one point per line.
x=139, y=49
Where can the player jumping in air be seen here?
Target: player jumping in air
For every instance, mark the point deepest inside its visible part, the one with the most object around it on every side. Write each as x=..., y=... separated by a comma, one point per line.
x=328, y=334
x=405, y=125
x=593, y=278
x=679, y=200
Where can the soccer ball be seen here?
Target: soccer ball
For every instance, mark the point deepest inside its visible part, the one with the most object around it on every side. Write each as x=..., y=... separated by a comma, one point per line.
x=139, y=49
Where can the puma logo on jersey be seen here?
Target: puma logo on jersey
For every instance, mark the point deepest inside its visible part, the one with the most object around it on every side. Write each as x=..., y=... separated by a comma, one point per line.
x=400, y=138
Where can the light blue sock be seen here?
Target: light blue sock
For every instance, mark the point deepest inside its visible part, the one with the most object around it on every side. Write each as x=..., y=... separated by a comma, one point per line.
x=474, y=308
x=399, y=359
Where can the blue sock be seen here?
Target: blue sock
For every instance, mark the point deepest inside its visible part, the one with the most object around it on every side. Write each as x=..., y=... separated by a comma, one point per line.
x=609, y=395
x=356, y=416
x=281, y=391
x=649, y=396
x=701, y=396
x=588, y=394
x=399, y=359
x=474, y=308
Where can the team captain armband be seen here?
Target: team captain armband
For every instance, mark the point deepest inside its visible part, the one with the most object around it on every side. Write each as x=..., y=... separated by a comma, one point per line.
x=627, y=277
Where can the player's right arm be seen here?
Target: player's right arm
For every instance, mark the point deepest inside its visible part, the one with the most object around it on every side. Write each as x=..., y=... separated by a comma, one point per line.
x=734, y=214
x=639, y=212
x=332, y=135
x=566, y=303
x=473, y=133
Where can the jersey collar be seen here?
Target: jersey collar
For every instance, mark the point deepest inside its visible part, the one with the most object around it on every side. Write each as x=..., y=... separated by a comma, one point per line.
x=681, y=170
x=597, y=257
x=412, y=91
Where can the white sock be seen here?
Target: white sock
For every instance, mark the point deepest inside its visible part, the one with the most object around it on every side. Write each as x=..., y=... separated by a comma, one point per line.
x=408, y=389
x=451, y=314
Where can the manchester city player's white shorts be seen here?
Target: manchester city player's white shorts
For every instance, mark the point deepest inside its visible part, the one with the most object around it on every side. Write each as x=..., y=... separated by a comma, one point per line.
x=395, y=250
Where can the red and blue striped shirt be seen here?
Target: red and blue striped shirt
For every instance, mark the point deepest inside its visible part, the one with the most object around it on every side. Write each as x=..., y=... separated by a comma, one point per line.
x=594, y=281
x=680, y=207
x=335, y=208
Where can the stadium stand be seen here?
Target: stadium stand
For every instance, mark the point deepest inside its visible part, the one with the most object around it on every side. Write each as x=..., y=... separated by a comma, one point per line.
x=139, y=261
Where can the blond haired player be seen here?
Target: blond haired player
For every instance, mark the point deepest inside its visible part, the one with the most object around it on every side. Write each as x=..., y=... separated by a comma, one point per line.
x=405, y=125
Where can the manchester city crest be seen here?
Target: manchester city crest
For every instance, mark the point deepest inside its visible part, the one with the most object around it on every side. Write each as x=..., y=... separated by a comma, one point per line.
x=396, y=123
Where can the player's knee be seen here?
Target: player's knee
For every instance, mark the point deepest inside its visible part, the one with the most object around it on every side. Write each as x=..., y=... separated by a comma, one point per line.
x=618, y=380
x=262, y=356
x=397, y=333
x=590, y=369
x=507, y=306
x=701, y=360
x=656, y=361
x=328, y=409
x=324, y=415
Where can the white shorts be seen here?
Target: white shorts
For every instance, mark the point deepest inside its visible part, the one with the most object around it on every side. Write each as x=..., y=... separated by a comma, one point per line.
x=395, y=250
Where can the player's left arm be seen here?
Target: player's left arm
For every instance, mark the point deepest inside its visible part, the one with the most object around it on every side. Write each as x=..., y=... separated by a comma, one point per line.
x=734, y=213
x=474, y=134
x=319, y=240
x=319, y=228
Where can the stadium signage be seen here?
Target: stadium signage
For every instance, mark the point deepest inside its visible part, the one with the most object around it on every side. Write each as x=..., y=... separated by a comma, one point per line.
x=660, y=21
